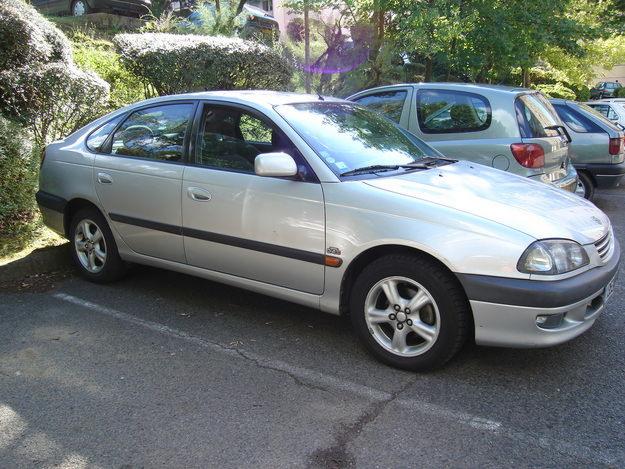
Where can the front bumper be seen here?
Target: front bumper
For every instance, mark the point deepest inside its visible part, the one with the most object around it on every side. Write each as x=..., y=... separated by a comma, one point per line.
x=506, y=311
x=606, y=175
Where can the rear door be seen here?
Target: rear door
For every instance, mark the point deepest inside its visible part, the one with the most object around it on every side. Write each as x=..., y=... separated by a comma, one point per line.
x=535, y=113
x=138, y=178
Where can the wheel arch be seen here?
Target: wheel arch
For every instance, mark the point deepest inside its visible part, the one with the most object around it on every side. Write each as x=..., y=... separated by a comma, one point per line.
x=72, y=207
x=375, y=252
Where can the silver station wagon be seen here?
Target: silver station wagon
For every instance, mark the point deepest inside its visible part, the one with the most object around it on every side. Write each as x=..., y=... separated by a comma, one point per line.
x=512, y=129
x=325, y=203
x=596, y=149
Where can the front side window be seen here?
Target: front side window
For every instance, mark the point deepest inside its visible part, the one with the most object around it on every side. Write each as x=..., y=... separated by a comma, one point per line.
x=231, y=138
x=156, y=133
x=97, y=138
x=388, y=103
x=348, y=136
x=534, y=114
x=448, y=111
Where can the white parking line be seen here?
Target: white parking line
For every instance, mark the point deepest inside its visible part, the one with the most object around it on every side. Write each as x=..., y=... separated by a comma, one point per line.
x=327, y=381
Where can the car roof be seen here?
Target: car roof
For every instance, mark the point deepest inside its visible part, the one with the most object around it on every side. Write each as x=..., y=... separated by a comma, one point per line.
x=265, y=98
x=457, y=86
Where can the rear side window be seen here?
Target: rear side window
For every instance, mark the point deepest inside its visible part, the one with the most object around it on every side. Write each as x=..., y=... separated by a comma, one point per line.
x=97, y=138
x=535, y=113
x=156, y=133
x=448, y=111
x=575, y=120
x=388, y=103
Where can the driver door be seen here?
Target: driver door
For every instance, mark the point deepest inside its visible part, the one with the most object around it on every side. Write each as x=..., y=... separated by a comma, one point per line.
x=268, y=229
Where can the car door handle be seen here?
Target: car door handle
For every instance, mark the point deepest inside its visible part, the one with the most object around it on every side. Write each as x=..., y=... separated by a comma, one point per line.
x=200, y=195
x=104, y=178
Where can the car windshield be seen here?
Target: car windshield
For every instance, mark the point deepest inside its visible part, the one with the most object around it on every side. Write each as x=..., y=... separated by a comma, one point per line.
x=349, y=137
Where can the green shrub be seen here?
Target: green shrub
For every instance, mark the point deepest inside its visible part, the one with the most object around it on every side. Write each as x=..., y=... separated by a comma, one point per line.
x=19, y=164
x=174, y=63
x=26, y=37
x=99, y=56
x=619, y=93
x=54, y=99
x=556, y=90
x=582, y=93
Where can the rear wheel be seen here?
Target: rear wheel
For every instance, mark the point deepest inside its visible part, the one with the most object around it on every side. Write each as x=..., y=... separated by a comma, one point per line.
x=409, y=312
x=94, y=248
x=585, y=187
x=79, y=8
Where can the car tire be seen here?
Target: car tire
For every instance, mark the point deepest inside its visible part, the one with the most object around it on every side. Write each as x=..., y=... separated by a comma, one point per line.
x=79, y=8
x=430, y=333
x=585, y=186
x=94, y=250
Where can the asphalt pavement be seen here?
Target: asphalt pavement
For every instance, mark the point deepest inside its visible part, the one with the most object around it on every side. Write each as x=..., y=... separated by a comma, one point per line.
x=166, y=370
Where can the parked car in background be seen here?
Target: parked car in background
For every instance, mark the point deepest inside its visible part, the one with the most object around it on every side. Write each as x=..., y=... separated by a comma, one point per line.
x=597, y=147
x=328, y=204
x=258, y=22
x=613, y=109
x=82, y=7
x=605, y=89
x=512, y=129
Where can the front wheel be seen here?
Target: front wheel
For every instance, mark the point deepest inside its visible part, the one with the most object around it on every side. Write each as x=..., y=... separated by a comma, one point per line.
x=409, y=312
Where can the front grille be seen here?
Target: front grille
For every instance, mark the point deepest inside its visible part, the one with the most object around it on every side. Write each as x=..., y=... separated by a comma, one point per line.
x=604, y=245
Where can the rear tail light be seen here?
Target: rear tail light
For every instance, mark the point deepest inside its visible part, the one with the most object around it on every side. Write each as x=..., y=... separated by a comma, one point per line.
x=529, y=155
x=616, y=146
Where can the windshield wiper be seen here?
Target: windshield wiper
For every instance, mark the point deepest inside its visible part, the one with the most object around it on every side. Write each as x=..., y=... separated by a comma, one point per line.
x=371, y=169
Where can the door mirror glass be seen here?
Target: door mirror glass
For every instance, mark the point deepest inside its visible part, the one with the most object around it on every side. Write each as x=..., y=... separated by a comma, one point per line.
x=275, y=164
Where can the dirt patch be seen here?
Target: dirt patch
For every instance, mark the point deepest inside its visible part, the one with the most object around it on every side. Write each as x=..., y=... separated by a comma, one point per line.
x=36, y=283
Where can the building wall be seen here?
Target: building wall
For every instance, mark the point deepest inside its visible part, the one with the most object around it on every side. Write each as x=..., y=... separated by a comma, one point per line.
x=617, y=73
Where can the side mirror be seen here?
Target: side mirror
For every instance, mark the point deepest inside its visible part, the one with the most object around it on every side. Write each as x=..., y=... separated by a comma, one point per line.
x=275, y=164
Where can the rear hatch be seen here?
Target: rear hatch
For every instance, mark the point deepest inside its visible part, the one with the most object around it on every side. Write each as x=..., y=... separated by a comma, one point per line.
x=539, y=124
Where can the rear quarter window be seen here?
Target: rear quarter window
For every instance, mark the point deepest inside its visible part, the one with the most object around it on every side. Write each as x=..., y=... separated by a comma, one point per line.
x=534, y=113
x=450, y=111
x=97, y=138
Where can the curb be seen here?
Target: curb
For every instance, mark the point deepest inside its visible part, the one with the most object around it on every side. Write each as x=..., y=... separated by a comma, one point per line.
x=48, y=259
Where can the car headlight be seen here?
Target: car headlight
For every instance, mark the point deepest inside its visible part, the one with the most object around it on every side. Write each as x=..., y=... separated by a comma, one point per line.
x=552, y=257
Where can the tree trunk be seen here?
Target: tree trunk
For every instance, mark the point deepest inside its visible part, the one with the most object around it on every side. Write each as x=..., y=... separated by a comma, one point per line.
x=306, y=49
x=526, y=77
x=217, y=5
x=428, y=69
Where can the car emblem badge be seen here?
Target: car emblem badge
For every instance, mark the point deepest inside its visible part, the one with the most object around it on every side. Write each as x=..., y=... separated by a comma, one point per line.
x=334, y=251
x=596, y=220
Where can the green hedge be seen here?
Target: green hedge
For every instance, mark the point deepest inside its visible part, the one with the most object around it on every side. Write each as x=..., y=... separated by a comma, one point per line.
x=557, y=90
x=19, y=164
x=27, y=38
x=176, y=63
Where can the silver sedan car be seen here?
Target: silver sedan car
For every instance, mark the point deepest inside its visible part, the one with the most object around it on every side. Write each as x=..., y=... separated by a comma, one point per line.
x=325, y=203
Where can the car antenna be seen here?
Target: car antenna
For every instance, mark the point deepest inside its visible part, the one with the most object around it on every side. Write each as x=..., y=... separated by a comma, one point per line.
x=320, y=97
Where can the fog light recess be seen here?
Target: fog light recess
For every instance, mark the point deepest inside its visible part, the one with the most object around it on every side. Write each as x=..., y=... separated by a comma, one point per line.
x=549, y=321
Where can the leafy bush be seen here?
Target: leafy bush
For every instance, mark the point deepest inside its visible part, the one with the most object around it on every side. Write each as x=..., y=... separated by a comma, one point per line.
x=53, y=99
x=99, y=56
x=295, y=30
x=557, y=90
x=582, y=93
x=619, y=93
x=19, y=164
x=174, y=63
x=26, y=37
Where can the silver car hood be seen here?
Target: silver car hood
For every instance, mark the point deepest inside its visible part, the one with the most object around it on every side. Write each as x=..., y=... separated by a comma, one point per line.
x=531, y=207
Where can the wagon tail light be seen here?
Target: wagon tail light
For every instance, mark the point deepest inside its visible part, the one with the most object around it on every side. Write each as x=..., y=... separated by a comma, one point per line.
x=616, y=146
x=529, y=155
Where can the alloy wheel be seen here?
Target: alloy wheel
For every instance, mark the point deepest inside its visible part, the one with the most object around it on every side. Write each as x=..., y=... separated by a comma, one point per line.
x=402, y=316
x=90, y=246
x=79, y=8
x=580, y=189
